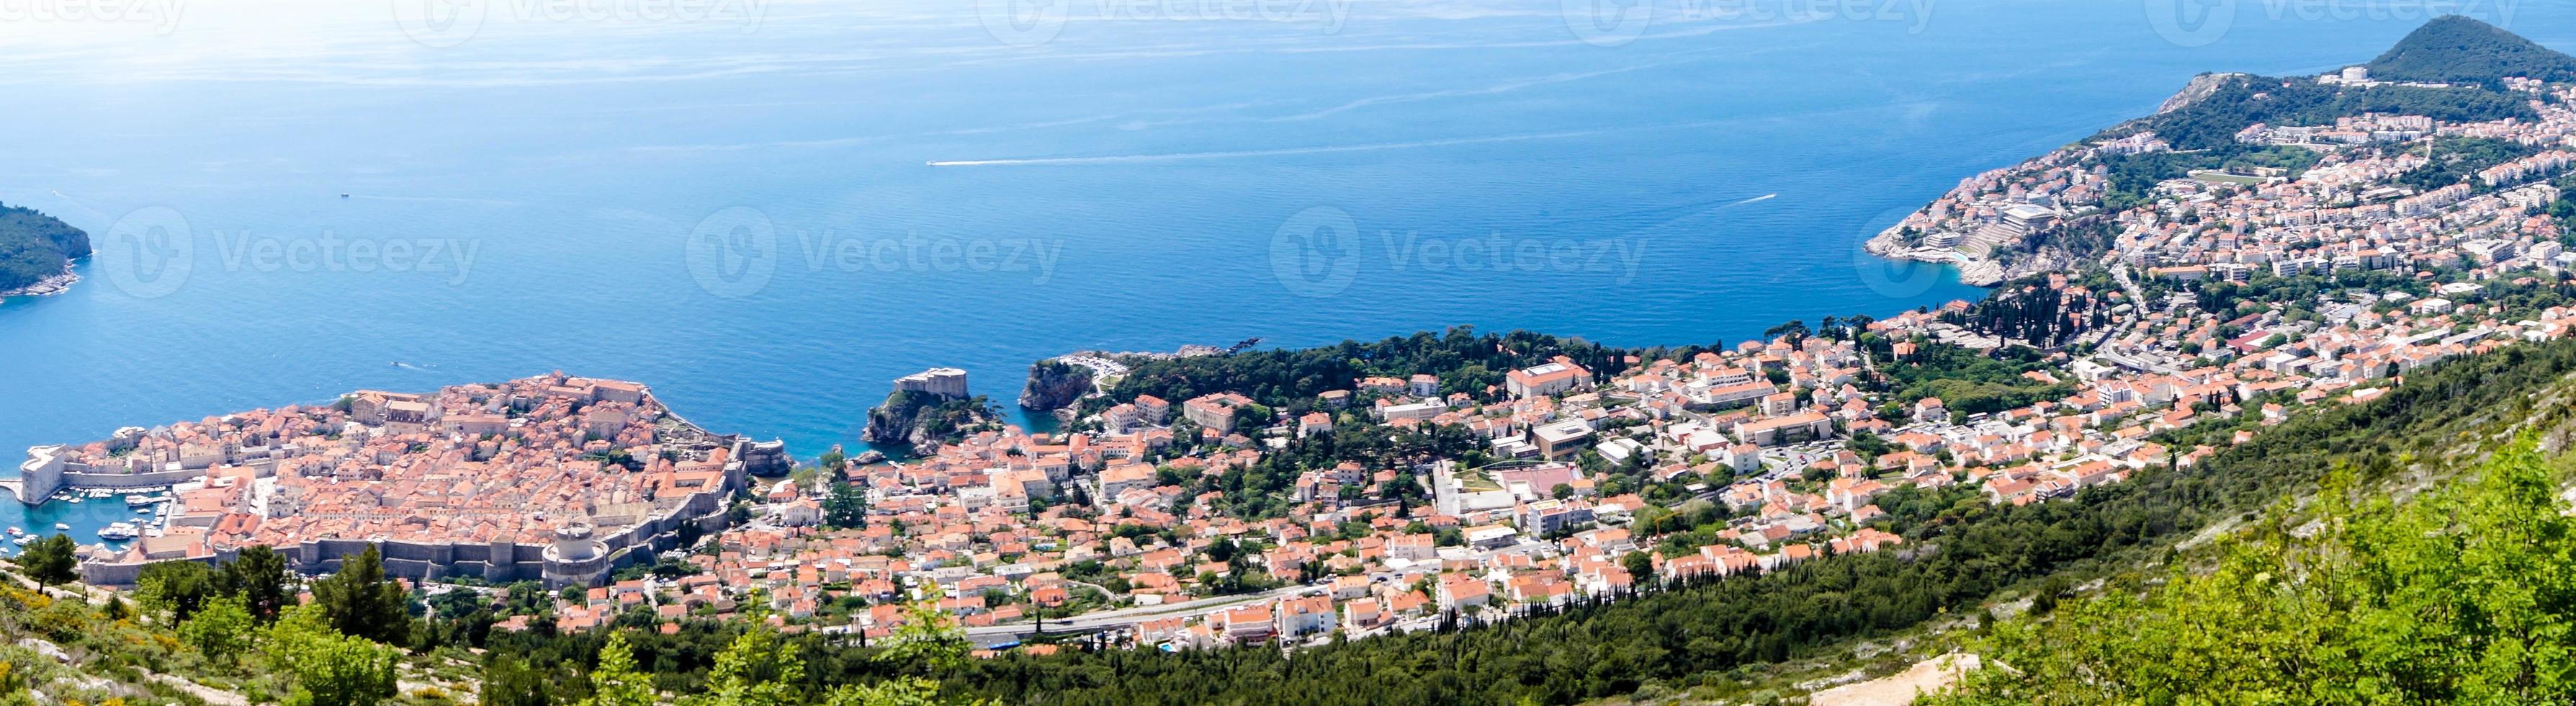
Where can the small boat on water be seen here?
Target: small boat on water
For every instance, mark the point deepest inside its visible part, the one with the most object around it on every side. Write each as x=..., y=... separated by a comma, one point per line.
x=119, y=531
x=63, y=526
x=140, y=500
x=24, y=540
x=14, y=531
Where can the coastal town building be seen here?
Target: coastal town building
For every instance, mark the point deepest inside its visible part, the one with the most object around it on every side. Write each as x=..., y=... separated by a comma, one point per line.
x=555, y=479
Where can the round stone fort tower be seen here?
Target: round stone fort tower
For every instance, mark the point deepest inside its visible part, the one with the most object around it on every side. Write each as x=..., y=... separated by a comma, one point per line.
x=575, y=558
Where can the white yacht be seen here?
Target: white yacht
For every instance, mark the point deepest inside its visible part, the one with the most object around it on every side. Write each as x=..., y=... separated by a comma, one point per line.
x=119, y=531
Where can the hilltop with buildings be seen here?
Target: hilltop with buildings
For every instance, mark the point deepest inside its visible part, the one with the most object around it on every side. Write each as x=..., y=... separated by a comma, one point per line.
x=2294, y=156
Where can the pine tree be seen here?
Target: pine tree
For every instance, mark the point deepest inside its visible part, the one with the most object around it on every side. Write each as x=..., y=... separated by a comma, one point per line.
x=847, y=505
x=617, y=682
x=360, y=602
x=50, y=560
x=258, y=574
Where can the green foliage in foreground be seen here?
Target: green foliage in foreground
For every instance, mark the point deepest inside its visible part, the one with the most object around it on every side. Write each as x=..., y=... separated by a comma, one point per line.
x=2465, y=595
x=329, y=668
x=52, y=560
x=224, y=628
x=760, y=669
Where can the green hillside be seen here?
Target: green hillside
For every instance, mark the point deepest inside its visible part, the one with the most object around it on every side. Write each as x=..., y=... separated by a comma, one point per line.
x=2211, y=123
x=34, y=246
x=2466, y=594
x=2452, y=49
x=2457, y=49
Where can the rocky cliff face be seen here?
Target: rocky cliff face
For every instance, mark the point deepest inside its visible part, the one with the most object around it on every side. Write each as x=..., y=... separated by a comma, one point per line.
x=1054, y=385
x=925, y=420
x=2201, y=86
x=896, y=421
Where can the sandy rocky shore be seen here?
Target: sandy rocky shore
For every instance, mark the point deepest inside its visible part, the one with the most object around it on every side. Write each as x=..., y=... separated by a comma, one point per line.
x=1974, y=268
x=46, y=287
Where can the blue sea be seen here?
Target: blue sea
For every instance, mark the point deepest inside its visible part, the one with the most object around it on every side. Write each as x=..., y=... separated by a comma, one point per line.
x=768, y=210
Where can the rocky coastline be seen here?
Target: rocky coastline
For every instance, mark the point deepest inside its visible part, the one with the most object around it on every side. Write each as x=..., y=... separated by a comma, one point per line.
x=1976, y=263
x=1974, y=269
x=1054, y=385
x=46, y=287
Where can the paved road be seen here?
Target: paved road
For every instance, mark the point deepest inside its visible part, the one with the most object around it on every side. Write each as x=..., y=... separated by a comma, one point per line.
x=1125, y=617
x=2137, y=312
